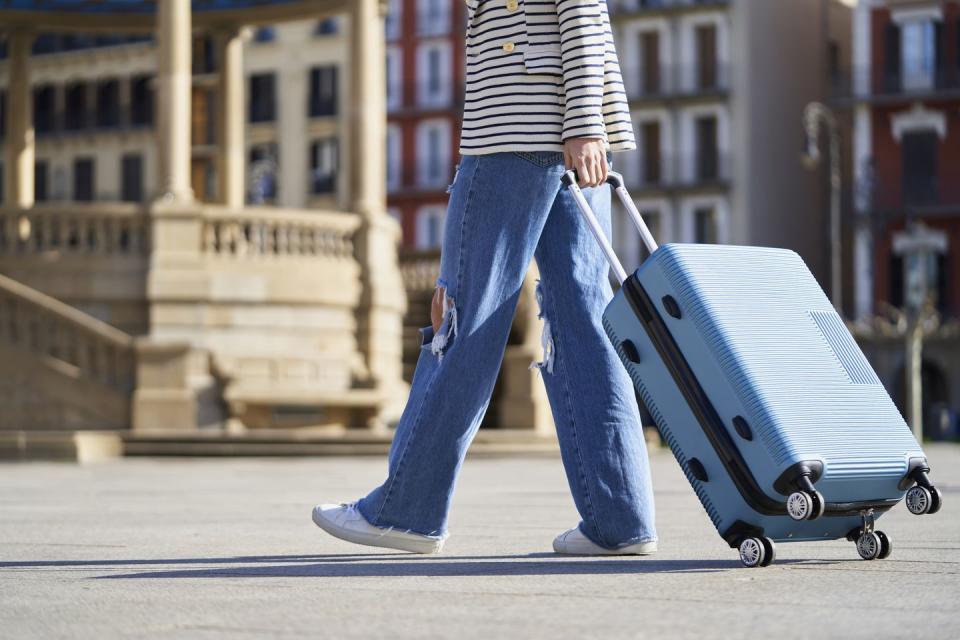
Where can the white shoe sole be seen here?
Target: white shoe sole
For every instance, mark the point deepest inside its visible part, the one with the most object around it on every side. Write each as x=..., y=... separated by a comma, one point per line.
x=386, y=538
x=641, y=549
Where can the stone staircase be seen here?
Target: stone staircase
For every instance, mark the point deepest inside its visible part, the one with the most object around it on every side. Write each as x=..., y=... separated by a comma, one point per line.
x=60, y=369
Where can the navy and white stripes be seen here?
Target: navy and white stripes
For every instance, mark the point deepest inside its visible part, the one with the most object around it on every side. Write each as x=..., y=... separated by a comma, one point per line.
x=540, y=72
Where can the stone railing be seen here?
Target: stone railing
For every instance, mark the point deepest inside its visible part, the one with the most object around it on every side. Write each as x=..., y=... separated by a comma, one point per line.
x=40, y=326
x=92, y=256
x=277, y=233
x=106, y=229
x=419, y=269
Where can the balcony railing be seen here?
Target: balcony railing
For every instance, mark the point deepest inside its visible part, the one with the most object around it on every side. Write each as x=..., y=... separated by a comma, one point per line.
x=420, y=96
x=434, y=23
x=680, y=172
x=877, y=82
x=926, y=195
x=674, y=81
x=627, y=7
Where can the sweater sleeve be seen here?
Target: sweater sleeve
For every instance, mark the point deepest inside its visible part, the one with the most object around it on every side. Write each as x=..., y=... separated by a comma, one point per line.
x=582, y=45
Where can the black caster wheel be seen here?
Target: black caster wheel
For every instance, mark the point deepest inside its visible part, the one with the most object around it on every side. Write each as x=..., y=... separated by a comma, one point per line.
x=919, y=500
x=819, y=505
x=800, y=505
x=869, y=546
x=770, y=552
x=752, y=552
x=936, y=501
x=886, y=547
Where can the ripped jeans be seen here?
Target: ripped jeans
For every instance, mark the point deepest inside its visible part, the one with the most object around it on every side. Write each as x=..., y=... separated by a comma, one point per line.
x=504, y=210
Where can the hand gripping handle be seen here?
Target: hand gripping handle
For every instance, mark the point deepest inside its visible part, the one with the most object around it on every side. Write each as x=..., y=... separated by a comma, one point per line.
x=615, y=180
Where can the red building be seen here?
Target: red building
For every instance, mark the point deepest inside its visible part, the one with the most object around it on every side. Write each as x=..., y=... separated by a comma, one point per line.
x=425, y=78
x=906, y=141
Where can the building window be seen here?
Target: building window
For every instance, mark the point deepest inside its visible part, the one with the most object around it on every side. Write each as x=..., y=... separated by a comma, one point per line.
x=433, y=153
x=75, y=114
x=45, y=109
x=707, y=154
x=652, y=161
x=108, y=104
x=394, y=78
x=650, y=68
x=263, y=103
x=83, y=179
x=394, y=158
x=204, y=56
x=430, y=226
x=394, y=19
x=919, y=153
x=265, y=34
x=433, y=17
x=434, y=74
x=323, y=91
x=324, y=165
x=41, y=192
x=705, y=225
x=263, y=173
x=141, y=101
x=131, y=177
x=325, y=27
x=918, y=58
x=706, y=39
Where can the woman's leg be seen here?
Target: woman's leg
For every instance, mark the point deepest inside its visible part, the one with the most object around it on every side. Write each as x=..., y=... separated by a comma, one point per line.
x=591, y=394
x=498, y=206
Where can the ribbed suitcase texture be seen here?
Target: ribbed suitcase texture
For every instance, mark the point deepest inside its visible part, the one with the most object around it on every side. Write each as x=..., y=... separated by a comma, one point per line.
x=767, y=349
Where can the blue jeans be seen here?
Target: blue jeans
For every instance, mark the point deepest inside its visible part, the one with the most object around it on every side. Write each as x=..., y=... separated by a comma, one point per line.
x=505, y=209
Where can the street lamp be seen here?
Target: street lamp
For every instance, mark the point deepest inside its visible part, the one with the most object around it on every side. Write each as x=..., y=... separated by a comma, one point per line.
x=816, y=115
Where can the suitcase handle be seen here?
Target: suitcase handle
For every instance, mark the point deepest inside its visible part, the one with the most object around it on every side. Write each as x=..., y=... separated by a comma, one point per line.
x=615, y=180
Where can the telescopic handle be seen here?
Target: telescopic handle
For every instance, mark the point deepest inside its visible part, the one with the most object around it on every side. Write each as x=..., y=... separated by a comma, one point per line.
x=615, y=180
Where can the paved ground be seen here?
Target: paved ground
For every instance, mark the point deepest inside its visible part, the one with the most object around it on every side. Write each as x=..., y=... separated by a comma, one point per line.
x=225, y=549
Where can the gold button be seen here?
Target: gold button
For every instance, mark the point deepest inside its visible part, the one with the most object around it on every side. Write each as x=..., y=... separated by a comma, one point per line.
x=512, y=5
x=508, y=47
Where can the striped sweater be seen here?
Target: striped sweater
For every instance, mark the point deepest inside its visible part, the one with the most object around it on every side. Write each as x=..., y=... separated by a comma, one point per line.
x=540, y=72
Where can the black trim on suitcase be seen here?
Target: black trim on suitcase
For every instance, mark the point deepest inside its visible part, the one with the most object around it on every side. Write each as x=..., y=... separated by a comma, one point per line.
x=710, y=420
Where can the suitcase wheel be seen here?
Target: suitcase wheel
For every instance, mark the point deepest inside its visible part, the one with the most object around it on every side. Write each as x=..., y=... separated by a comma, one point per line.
x=802, y=505
x=874, y=545
x=757, y=552
x=921, y=500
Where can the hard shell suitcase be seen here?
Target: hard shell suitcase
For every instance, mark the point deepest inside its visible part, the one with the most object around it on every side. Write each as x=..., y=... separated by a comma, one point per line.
x=773, y=412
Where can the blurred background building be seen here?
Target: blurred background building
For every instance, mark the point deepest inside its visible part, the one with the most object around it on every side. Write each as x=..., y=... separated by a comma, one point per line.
x=273, y=309
x=903, y=92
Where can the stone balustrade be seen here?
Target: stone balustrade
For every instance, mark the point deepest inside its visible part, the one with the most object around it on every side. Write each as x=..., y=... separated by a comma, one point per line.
x=419, y=270
x=278, y=233
x=105, y=229
x=41, y=326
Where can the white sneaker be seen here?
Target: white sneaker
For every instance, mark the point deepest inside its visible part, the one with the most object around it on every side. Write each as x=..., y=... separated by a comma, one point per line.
x=344, y=521
x=573, y=542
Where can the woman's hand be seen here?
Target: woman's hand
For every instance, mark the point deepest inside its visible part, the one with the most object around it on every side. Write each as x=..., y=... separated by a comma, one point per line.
x=589, y=158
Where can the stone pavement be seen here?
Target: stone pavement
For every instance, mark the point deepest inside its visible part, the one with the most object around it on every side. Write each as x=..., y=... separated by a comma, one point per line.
x=225, y=549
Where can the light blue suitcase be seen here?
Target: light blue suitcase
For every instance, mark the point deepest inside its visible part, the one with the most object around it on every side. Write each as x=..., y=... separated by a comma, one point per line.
x=773, y=412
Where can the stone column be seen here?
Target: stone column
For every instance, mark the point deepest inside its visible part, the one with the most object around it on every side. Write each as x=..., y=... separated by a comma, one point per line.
x=19, y=166
x=383, y=301
x=231, y=107
x=174, y=87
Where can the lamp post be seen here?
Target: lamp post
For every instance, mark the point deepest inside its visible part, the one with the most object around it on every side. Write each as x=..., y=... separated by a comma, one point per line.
x=816, y=115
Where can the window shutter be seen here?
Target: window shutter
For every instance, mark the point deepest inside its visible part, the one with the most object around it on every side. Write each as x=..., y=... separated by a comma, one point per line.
x=891, y=50
x=939, y=55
